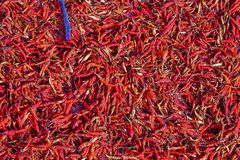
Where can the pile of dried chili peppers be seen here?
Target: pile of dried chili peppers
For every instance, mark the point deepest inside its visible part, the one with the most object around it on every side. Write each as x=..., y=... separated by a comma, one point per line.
x=137, y=80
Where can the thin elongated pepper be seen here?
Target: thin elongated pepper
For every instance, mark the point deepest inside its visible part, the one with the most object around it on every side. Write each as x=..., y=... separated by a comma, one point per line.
x=66, y=21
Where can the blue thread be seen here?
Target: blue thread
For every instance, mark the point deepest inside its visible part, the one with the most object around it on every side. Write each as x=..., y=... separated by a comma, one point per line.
x=66, y=21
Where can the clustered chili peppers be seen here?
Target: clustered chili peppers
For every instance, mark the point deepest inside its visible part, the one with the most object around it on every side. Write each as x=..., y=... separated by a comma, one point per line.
x=140, y=79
